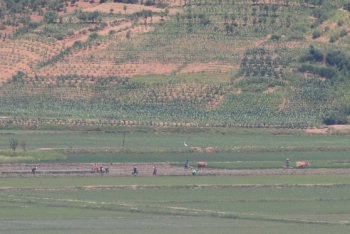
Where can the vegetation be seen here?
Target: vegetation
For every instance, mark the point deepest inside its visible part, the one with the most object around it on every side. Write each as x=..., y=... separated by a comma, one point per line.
x=266, y=203
x=85, y=72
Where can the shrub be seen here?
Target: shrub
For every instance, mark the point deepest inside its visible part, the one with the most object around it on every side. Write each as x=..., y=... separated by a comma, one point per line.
x=338, y=58
x=298, y=36
x=60, y=36
x=316, y=34
x=343, y=33
x=70, y=33
x=340, y=22
x=347, y=6
x=93, y=36
x=326, y=72
x=275, y=37
x=333, y=38
x=333, y=117
x=313, y=55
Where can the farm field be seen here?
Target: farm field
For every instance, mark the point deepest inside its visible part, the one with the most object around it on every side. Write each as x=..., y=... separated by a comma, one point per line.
x=248, y=191
x=246, y=64
x=78, y=140
x=190, y=204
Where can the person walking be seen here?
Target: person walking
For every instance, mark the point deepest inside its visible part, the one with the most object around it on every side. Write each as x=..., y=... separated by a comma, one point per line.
x=135, y=171
x=154, y=171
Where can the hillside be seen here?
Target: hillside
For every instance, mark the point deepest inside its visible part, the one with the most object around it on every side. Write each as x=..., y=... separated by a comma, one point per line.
x=227, y=63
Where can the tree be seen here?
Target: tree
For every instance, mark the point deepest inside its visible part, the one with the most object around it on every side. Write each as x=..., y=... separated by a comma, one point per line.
x=233, y=18
x=245, y=19
x=13, y=145
x=274, y=9
x=128, y=34
x=50, y=16
x=254, y=11
x=24, y=146
x=316, y=34
x=266, y=8
x=111, y=11
x=125, y=7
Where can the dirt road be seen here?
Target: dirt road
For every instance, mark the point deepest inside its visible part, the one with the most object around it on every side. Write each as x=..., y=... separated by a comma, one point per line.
x=144, y=169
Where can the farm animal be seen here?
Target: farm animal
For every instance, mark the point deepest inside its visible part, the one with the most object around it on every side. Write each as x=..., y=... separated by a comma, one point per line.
x=302, y=164
x=202, y=165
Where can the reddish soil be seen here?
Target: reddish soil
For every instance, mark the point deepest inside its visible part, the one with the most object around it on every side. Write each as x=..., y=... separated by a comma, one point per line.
x=146, y=169
x=269, y=90
x=281, y=106
x=119, y=8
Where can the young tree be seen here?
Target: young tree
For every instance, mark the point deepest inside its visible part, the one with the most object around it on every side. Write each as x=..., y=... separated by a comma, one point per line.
x=13, y=145
x=128, y=34
x=24, y=146
x=245, y=19
x=266, y=9
x=274, y=9
x=125, y=7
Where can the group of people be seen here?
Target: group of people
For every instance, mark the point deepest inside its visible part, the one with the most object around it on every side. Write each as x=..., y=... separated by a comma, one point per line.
x=186, y=167
x=95, y=168
x=134, y=171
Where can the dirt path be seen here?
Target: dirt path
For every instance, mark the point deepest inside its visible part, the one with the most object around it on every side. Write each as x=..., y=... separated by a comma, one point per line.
x=145, y=169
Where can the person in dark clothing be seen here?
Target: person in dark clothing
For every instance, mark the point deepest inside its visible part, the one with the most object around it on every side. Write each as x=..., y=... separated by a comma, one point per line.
x=101, y=170
x=107, y=170
x=154, y=171
x=33, y=169
x=287, y=163
x=135, y=171
x=186, y=164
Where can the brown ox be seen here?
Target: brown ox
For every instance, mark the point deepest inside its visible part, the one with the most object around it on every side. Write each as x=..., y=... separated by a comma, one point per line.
x=201, y=165
x=302, y=164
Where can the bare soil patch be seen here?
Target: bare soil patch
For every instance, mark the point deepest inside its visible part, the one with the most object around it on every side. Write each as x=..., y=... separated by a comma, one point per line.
x=281, y=106
x=317, y=131
x=119, y=7
x=208, y=67
x=269, y=90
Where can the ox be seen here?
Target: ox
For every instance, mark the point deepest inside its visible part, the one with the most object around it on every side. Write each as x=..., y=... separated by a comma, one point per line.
x=302, y=164
x=201, y=165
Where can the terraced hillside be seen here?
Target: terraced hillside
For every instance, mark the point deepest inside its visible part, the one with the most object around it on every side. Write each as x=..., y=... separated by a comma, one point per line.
x=231, y=63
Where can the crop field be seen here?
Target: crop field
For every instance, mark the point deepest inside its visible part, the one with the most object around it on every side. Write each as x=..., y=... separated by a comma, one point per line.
x=193, y=63
x=245, y=189
x=189, y=204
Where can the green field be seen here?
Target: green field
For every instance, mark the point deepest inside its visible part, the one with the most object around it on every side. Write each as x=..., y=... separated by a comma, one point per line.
x=202, y=204
x=66, y=140
x=306, y=203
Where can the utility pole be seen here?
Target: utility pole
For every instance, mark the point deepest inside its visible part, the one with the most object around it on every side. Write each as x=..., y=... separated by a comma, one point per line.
x=121, y=110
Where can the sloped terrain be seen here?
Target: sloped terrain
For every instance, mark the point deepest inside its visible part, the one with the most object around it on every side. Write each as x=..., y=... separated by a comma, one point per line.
x=233, y=63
